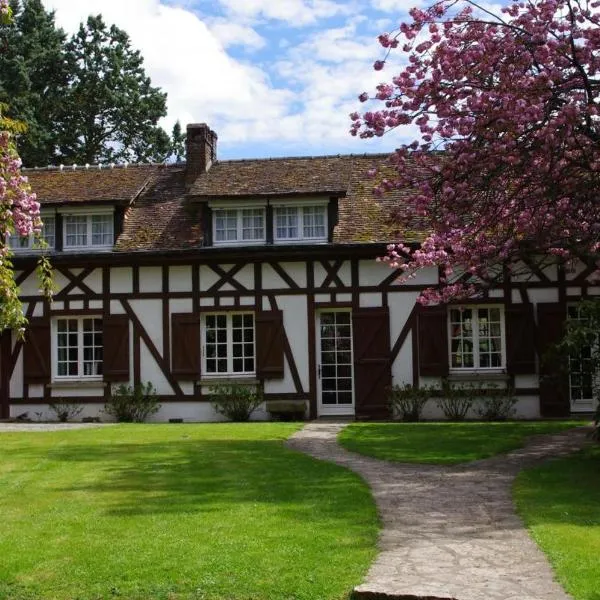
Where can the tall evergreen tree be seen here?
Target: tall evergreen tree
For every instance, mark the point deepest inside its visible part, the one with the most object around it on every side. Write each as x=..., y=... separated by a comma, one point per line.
x=33, y=77
x=177, y=143
x=111, y=109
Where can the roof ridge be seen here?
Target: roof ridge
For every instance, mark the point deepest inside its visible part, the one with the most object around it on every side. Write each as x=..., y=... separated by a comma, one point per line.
x=99, y=166
x=274, y=158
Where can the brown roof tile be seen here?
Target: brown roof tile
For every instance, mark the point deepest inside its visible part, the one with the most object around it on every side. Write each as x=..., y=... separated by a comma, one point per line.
x=166, y=217
x=119, y=184
x=260, y=177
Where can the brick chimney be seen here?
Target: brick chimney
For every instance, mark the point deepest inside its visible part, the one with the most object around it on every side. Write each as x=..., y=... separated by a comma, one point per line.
x=200, y=151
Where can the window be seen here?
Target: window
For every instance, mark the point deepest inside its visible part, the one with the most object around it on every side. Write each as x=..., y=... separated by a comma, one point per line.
x=233, y=225
x=78, y=346
x=95, y=230
x=294, y=223
x=229, y=344
x=581, y=372
x=476, y=337
x=24, y=243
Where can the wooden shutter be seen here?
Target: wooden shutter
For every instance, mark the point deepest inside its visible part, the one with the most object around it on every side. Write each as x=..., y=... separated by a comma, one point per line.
x=116, y=347
x=269, y=344
x=520, y=339
x=433, y=340
x=372, y=361
x=185, y=344
x=36, y=351
x=554, y=384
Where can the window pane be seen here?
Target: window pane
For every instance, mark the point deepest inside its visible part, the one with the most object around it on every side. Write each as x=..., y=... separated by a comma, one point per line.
x=49, y=231
x=226, y=225
x=253, y=224
x=75, y=231
x=102, y=230
x=286, y=222
x=314, y=222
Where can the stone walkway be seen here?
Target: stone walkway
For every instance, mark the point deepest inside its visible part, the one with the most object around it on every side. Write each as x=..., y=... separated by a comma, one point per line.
x=449, y=532
x=49, y=426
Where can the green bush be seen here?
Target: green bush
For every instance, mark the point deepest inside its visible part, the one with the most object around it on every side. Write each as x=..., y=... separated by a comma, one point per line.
x=455, y=402
x=496, y=404
x=135, y=404
x=408, y=402
x=65, y=410
x=235, y=401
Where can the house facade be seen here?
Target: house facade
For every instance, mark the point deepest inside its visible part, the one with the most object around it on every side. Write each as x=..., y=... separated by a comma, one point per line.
x=260, y=272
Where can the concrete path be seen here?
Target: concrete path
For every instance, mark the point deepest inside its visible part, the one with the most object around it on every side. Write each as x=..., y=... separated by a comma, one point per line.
x=23, y=427
x=449, y=532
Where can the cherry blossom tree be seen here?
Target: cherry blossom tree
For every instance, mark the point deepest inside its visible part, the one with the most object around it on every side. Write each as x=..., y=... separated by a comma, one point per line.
x=506, y=168
x=19, y=215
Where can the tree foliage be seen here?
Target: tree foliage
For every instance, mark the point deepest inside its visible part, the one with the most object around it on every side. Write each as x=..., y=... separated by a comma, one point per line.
x=19, y=215
x=111, y=109
x=85, y=99
x=506, y=166
x=33, y=78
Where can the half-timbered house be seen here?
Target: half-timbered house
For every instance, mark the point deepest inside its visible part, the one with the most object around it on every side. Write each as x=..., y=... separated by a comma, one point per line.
x=263, y=272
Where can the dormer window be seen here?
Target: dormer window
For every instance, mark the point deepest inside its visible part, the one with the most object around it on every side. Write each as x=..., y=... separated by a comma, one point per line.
x=239, y=225
x=94, y=230
x=295, y=223
x=19, y=243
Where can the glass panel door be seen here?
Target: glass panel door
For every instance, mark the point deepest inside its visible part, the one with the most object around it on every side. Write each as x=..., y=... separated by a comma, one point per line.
x=334, y=357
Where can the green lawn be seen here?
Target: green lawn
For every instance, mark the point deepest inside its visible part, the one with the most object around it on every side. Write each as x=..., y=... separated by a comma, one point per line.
x=442, y=443
x=560, y=503
x=177, y=512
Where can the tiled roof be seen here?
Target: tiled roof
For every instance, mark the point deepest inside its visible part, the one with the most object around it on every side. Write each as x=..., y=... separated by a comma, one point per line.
x=166, y=217
x=275, y=176
x=68, y=185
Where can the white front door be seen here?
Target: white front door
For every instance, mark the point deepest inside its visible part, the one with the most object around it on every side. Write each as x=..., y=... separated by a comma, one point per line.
x=334, y=363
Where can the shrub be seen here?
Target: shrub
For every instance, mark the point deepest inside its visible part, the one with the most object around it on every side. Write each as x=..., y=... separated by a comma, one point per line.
x=235, y=401
x=135, y=404
x=408, y=402
x=455, y=402
x=65, y=410
x=496, y=404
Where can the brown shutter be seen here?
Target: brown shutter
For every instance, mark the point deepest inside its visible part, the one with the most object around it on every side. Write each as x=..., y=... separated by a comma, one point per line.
x=433, y=340
x=520, y=339
x=554, y=384
x=185, y=343
x=372, y=361
x=36, y=351
x=116, y=347
x=269, y=344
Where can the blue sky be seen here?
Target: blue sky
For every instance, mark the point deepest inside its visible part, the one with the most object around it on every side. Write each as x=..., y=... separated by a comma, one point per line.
x=271, y=77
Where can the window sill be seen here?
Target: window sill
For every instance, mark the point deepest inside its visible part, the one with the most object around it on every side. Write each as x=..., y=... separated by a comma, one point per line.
x=71, y=383
x=228, y=380
x=479, y=375
x=88, y=248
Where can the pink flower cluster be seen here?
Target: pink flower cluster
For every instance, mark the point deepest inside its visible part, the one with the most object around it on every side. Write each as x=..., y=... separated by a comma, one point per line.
x=507, y=164
x=20, y=211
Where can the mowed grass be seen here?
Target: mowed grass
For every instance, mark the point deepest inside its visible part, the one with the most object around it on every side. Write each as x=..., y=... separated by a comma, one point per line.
x=175, y=512
x=442, y=443
x=560, y=503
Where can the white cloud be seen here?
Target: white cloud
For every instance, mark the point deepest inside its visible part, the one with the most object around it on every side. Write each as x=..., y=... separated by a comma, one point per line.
x=235, y=34
x=185, y=58
x=397, y=6
x=299, y=102
x=293, y=12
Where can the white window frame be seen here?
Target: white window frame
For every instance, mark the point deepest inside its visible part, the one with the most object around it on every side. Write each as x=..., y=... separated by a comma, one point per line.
x=594, y=376
x=18, y=239
x=300, y=225
x=80, y=376
x=88, y=214
x=475, y=339
x=239, y=210
x=230, y=373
